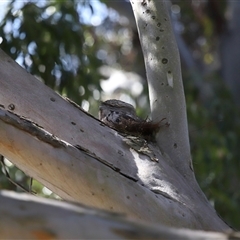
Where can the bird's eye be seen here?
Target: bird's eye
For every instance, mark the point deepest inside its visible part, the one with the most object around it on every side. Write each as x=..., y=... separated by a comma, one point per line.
x=117, y=112
x=117, y=120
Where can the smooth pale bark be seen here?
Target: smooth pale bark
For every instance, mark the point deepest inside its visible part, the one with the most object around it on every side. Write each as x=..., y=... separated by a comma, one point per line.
x=27, y=217
x=103, y=171
x=80, y=175
x=164, y=80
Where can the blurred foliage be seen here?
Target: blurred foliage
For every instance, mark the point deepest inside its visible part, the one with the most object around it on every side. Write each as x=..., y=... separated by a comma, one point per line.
x=53, y=41
x=201, y=25
x=214, y=131
x=14, y=179
x=50, y=41
x=213, y=116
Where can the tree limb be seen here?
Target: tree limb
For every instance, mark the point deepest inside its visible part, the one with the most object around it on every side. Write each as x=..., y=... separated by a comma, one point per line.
x=29, y=217
x=81, y=159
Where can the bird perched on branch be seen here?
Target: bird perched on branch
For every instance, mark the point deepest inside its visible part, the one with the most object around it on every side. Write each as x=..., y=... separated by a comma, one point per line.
x=122, y=117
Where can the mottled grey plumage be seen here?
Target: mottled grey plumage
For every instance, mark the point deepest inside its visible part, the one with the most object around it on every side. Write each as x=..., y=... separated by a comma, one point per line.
x=113, y=112
x=122, y=116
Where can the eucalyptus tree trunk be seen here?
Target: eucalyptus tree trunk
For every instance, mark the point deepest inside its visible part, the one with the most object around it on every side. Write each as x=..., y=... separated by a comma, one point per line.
x=164, y=80
x=82, y=160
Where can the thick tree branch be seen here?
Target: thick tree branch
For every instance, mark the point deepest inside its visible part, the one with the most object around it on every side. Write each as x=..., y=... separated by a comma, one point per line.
x=78, y=174
x=73, y=173
x=81, y=159
x=28, y=217
x=164, y=80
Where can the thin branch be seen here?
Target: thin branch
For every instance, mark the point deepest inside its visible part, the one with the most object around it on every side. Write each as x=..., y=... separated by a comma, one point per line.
x=6, y=173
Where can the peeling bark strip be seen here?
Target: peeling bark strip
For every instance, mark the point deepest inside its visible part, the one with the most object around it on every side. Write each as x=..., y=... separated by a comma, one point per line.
x=38, y=132
x=30, y=127
x=93, y=155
